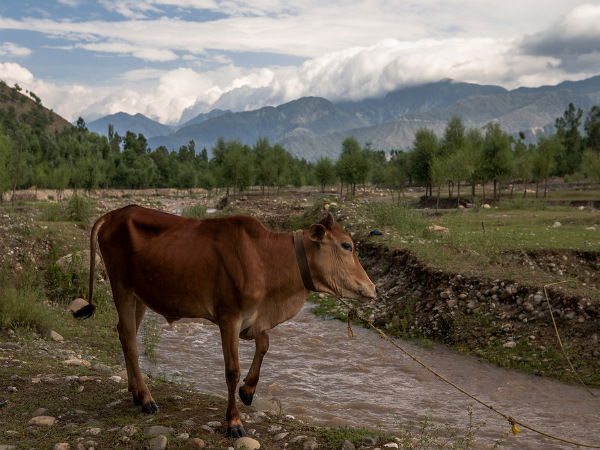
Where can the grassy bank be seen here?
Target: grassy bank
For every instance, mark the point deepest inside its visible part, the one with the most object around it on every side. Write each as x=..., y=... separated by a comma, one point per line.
x=87, y=396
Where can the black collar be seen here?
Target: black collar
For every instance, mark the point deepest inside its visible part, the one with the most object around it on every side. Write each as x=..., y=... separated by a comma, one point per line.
x=302, y=261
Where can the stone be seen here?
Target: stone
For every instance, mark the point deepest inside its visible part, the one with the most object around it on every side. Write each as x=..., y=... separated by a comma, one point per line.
x=510, y=344
x=268, y=404
x=39, y=412
x=76, y=362
x=369, y=440
x=194, y=444
x=54, y=336
x=451, y=303
x=486, y=206
x=42, y=420
x=437, y=230
x=76, y=261
x=214, y=424
x=115, y=379
x=297, y=439
x=76, y=305
x=8, y=447
x=62, y=446
x=158, y=429
x=102, y=368
x=347, y=445
x=390, y=445
x=311, y=444
x=93, y=431
x=246, y=443
x=157, y=443
x=128, y=430
x=280, y=436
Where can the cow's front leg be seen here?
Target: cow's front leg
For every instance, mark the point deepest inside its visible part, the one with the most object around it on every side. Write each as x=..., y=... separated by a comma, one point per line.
x=247, y=390
x=230, y=331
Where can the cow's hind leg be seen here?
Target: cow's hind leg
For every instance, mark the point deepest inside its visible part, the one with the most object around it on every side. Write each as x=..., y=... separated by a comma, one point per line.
x=230, y=330
x=246, y=391
x=140, y=309
x=130, y=312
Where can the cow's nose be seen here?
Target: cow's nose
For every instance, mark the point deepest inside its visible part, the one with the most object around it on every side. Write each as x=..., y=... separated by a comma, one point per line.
x=376, y=290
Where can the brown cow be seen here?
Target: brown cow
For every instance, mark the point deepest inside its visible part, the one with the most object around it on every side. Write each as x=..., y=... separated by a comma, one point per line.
x=231, y=271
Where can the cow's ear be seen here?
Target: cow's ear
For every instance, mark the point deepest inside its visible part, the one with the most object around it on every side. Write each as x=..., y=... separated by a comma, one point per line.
x=327, y=220
x=317, y=232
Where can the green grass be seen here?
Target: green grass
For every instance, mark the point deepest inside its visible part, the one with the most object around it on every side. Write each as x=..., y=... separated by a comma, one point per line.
x=195, y=211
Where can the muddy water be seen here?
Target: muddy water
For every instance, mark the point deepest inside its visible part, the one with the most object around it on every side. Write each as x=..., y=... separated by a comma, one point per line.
x=323, y=377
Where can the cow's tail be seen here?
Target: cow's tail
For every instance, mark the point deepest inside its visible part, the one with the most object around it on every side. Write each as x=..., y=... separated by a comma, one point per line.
x=88, y=310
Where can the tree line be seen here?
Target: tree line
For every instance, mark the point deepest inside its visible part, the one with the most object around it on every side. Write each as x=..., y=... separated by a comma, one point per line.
x=33, y=155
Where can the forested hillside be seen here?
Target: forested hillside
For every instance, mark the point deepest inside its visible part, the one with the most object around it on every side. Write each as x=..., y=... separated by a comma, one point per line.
x=36, y=151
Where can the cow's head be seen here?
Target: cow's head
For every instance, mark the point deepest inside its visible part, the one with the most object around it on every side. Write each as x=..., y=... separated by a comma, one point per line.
x=333, y=263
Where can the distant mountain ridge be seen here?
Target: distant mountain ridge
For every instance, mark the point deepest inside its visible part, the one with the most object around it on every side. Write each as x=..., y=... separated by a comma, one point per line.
x=310, y=127
x=123, y=122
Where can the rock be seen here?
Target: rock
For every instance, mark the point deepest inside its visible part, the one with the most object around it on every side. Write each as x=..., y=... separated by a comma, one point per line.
x=246, y=443
x=76, y=261
x=280, y=436
x=347, y=445
x=297, y=439
x=39, y=412
x=115, y=379
x=369, y=440
x=43, y=420
x=311, y=444
x=214, y=424
x=7, y=447
x=451, y=303
x=54, y=336
x=437, y=230
x=390, y=445
x=268, y=404
x=556, y=225
x=76, y=362
x=9, y=345
x=274, y=429
x=128, y=430
x=102, y=368
x=485, y=206
x=93, y=431
x=157, y=443
x=158, y=429
x=194, y=444
x=76, y=305
x=510, y=344
x=62, y=446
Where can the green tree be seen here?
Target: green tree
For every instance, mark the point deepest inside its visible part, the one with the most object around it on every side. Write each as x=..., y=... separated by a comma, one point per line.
x=545, y=160
x=325, y=172
x=497, y=157
x=350, y=166
x=592, y=129
x=590, y=164
x=567, y=131
x=425, y=148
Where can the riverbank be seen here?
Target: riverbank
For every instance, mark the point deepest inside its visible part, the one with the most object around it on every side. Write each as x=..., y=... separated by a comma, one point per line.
x=471, y=313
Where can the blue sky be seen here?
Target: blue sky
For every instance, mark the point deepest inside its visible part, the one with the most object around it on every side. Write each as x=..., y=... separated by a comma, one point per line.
x=172, y=59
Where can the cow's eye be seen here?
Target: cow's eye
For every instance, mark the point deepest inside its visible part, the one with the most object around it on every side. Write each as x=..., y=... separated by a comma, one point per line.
x=347, y=246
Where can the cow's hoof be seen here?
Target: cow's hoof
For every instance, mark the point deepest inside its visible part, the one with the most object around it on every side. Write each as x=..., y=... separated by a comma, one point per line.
x=245, y=398
x=236, y=431
x=149, y=408
x=136, y=402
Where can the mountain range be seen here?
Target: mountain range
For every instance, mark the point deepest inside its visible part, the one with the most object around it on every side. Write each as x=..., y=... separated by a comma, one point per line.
x=310, y=127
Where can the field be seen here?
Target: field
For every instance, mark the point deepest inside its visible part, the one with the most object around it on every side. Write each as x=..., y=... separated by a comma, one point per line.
x=475, y=284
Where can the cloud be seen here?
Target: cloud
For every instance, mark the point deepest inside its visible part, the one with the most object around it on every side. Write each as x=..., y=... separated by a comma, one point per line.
x=14, y=73
x=8, y=48
x=573, y=37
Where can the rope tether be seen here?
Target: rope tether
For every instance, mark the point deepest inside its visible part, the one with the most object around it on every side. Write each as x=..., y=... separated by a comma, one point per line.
x=513, y=422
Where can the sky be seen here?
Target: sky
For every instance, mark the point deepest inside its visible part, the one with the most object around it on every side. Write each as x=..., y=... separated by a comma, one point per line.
x=173, y=59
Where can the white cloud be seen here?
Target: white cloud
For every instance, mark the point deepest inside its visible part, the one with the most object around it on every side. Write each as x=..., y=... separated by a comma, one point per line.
x=8, y=48
x=12, y=73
